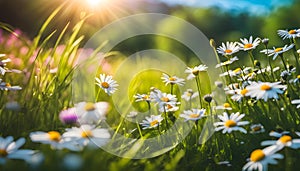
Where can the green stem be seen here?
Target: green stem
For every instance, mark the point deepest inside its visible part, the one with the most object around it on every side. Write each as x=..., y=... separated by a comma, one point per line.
x=251, y=57
x=284, y=64
x=199, y=90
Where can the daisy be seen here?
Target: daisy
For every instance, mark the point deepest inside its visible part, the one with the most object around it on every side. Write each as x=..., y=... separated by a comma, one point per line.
x=291, y=34
x=228, y=49
x=265, y=90
x=225, y=106
x=91, y=113
x=189, y=94
x=55, y=139
x=87, y=135
x=231, y=123
x=259, y=159
x=228, y=62
x=237, y=94
x=68, y=116
x=194, y=114
x=297, y=102
x=236, y=72
x=164, y=99
x=278, y=133
x=193, y=72
x=283, y=141
x=142, y=97
x=107, y=83
x=10, y=150
x=172, y=80
x=257, y=128
x=7, y=86
x=169, y=108
x=152, y=121
x=249, y=44
x=277, y=51
x=297, y=79
x=3, y=62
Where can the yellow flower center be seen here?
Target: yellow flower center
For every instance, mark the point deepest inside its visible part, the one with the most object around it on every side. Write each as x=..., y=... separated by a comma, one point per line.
x=230, y=123
x=285, y=139
x=195, y=71
x=228, y=51
x=249, y=45
x=169, y=106
x=89, y=106
x=153, y=123
x=292, y=32
x=194, y=115
x=298, y=76
x=244, y=91
x=165, y=99
x=172, y=79
x=237, y=70
x=86, y=134
x=226, y=105
x=7, y=85
x=146, y=97
x=278, y=49
x=257, y=155
x=265, y=87
x=54, y=136
x=105, y=85
x=257, y=128
x=3, y=153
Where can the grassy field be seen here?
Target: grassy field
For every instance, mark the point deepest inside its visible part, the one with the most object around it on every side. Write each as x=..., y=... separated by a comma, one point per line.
x=151, y=121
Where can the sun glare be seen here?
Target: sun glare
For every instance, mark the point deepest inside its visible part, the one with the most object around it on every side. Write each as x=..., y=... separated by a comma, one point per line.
x=93, y=3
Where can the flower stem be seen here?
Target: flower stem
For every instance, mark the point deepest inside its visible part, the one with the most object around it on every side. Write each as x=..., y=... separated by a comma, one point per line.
x=199, y=90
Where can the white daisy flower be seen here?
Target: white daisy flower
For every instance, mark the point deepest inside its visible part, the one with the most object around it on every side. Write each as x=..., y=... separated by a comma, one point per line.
x=55, y=139
x=193, y=72
x=278, y=133
x=225, y=106
x=91, y=113
x=152, y=121
x=3, y=62
x=164, y=99
x=10, y=150
x=297, y=102
x=236, y=72
x=87, y=135
x=228, y=62
x=6, y=86
x=194, y=114
x=297, y=79
x=189, y=94
x=169, y=108
x=283, y=141
x=237, y=94
x=277, y=51
x=249, y=44
x=291, y=34
x=228, y=49
x=267, y=69
x=259, y=159
x=257, y=128
x=172, y=80
x=231, y=123
x=106, y=83
x=265, y=90
x=142, y=97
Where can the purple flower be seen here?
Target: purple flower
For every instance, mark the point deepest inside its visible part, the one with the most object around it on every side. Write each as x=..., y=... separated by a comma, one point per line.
x=68, y=116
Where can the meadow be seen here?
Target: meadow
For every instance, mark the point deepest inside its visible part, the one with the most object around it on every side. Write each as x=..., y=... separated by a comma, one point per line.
x=174, y=122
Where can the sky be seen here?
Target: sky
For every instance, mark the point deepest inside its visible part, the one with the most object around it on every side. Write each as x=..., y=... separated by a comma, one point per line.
x=252, y=6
